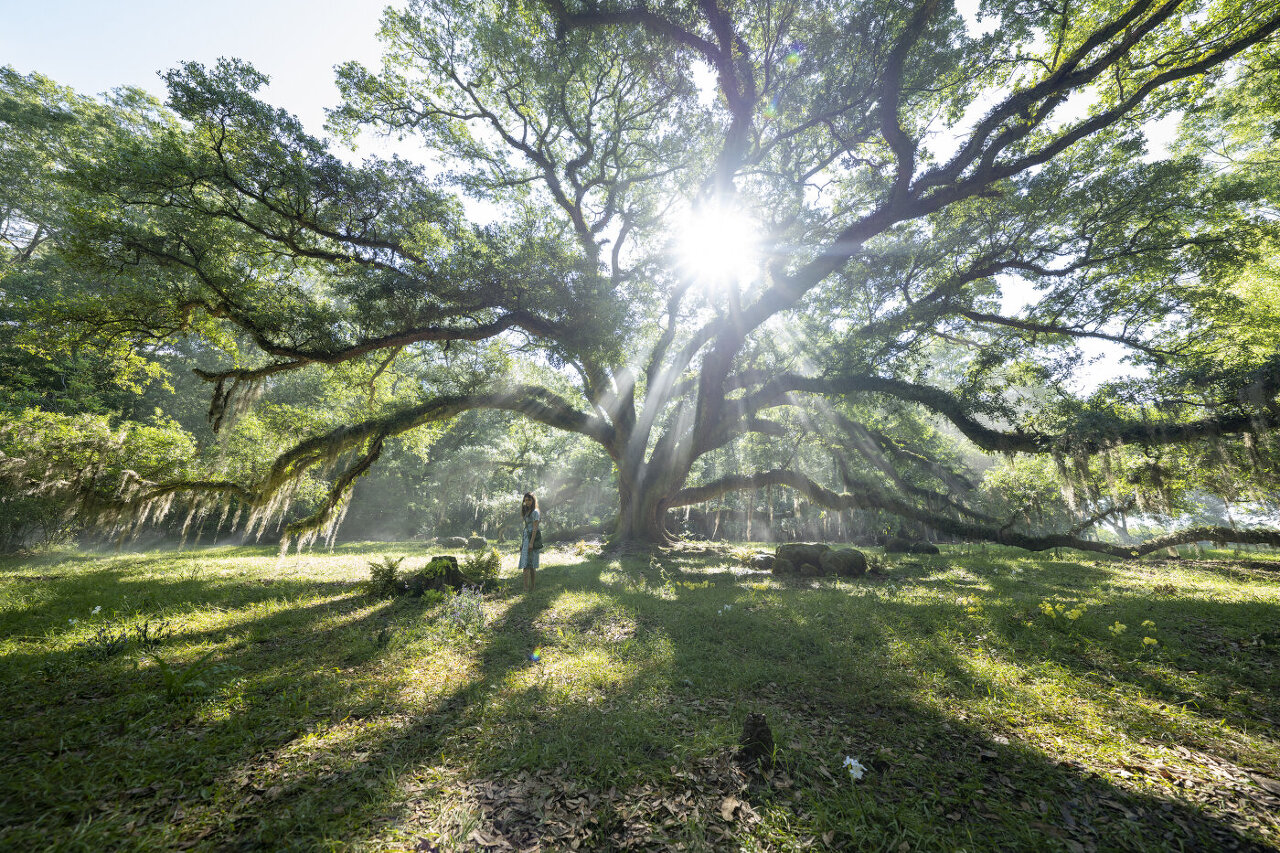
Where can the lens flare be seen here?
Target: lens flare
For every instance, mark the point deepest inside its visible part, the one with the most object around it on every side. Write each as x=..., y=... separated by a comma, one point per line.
x=718, y=245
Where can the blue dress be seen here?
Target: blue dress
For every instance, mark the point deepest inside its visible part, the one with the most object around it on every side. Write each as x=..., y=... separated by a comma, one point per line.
x=529, y=558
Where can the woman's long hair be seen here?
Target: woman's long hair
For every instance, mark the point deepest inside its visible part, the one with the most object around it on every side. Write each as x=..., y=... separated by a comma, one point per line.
x=524, y=511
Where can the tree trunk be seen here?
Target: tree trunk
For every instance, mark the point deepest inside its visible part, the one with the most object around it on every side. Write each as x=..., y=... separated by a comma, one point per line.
x=642, y=513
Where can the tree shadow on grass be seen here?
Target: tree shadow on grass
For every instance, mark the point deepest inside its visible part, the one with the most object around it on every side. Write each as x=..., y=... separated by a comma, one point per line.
x=617, y=738
x=1221, y=649
x=937, y=781
x=540, y=762
x=89, y=728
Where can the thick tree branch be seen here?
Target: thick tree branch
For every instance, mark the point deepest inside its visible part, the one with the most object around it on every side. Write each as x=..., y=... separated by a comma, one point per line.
x=329, y=513
x=593, y=18
x=902, y=146
x=270, y=495
x=941, y=188
x=964, y=529
x=1119, y=432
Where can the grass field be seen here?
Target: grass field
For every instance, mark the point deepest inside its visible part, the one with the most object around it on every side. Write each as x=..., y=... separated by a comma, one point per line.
x=273, y=704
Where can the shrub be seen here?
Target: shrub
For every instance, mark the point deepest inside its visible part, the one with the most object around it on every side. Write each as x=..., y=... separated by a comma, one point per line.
x=440, y=573
x=384, y=578
x=482, y=568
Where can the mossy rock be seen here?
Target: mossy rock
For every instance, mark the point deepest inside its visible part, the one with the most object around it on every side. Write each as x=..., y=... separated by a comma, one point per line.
x=783, y=567
x=799, y=553
x=846, y=562
x=477, y=543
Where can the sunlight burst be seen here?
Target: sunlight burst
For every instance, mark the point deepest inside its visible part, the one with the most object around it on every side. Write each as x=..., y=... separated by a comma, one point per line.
x=719, y=244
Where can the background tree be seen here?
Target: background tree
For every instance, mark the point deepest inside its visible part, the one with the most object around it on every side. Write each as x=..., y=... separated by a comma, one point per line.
x=896, y=173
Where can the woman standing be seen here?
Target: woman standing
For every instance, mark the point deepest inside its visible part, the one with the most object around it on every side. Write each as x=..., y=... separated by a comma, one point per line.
x=530, y=541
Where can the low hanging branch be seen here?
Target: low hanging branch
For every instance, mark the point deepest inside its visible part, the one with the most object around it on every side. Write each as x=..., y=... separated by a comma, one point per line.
x=1117, y=508
x=271, y=498
x=328, y=516
x=970, y=530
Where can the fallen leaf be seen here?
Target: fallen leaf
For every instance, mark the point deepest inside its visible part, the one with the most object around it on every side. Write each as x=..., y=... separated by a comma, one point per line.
x=1266, y=783
x=728, y=806
x=1120, y=807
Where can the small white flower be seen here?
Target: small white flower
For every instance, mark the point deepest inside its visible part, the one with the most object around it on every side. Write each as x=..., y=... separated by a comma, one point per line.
x=856, y=770
x=72, y=621
x=97, y=610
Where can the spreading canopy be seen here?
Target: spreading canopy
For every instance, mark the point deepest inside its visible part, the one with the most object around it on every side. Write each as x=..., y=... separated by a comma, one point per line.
x=901, y=173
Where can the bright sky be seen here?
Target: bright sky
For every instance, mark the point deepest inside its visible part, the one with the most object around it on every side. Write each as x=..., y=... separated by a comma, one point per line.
x=94, y=46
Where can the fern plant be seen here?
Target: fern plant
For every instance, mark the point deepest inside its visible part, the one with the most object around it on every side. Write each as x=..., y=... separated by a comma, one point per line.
x=384, y=577
x=482, y=567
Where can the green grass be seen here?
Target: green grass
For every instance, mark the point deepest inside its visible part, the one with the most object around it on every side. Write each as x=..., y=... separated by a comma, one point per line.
x=283, y=708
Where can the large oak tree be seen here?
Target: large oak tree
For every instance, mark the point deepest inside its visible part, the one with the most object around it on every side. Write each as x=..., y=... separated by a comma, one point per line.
x=897, y=169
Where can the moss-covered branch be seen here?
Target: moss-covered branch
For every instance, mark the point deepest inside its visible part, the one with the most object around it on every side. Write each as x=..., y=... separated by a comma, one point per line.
x=958, y=527
x=271, y=497
x=1119, y=432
